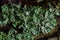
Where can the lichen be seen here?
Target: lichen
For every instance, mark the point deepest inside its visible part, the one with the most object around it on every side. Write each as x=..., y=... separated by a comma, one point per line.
x=34, y=20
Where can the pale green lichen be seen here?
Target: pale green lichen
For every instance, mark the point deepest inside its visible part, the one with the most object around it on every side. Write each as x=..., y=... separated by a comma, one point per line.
x=34, y=20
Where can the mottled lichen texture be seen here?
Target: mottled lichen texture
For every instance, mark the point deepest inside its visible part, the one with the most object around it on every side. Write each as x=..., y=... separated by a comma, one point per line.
x=31, y=20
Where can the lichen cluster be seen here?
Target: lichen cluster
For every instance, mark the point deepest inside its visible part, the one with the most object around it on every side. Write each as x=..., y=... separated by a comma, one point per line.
x=34, y=20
